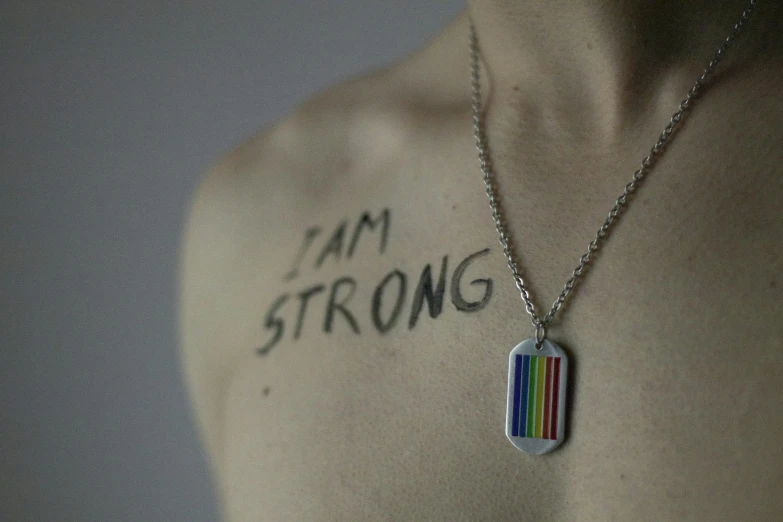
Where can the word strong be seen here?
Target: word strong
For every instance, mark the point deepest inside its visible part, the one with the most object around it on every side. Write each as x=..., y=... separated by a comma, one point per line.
x=287, y=315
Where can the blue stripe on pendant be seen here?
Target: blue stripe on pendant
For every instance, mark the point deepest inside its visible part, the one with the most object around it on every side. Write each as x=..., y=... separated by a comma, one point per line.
x=523, y=399
x=517, y=392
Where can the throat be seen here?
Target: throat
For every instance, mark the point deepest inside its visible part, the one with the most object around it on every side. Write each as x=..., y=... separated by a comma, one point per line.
x=595, y=61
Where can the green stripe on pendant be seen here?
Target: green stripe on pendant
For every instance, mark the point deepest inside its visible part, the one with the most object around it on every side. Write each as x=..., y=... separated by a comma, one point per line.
x=531, y=397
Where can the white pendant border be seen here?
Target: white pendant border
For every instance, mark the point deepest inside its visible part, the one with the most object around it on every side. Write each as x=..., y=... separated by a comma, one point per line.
x=532, y=445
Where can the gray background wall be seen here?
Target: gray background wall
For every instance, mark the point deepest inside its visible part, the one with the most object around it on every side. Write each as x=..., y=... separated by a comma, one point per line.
x=109, y=113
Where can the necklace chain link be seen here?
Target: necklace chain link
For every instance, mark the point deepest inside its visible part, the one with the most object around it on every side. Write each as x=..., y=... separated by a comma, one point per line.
x=541, y=323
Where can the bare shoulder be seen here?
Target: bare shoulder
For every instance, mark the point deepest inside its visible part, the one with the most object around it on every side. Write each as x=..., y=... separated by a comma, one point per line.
x=244, y=203
x=262, y=193
x=340, y=139
x=364, y=120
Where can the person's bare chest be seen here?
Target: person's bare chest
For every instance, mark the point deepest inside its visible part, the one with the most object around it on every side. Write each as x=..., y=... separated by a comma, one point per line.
x=374, y=383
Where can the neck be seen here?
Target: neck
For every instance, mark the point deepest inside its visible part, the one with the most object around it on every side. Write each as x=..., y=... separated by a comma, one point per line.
x=596, y=60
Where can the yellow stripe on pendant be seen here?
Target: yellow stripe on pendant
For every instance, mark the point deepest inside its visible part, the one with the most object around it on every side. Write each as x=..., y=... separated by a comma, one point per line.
x=541, y=379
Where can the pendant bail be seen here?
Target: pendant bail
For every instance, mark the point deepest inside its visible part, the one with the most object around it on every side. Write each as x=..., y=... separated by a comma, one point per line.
x=540, y=335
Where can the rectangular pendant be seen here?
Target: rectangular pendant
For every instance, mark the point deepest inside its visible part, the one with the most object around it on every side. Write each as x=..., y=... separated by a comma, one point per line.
x=535, y=409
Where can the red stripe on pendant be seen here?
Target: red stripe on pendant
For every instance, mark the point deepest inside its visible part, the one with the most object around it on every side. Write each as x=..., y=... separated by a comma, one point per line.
x=547, y=398
x=555, y=397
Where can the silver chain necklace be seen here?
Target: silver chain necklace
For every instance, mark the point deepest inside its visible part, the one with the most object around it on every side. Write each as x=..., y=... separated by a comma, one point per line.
x=538, y=368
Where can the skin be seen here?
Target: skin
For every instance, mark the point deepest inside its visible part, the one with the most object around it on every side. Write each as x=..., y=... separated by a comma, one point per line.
x=674, y=332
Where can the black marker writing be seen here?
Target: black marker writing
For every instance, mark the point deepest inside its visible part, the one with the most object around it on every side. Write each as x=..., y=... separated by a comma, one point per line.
x=305, y=296
x=456, y=293
x=339, y=306
x=424, y=290
x=334, y=246
x=377, y=301
x=308, y=240
x=274, y=322
x=367, y=221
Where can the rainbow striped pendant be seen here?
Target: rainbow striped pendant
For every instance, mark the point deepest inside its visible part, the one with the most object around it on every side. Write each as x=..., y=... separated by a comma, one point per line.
x=535, y=411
